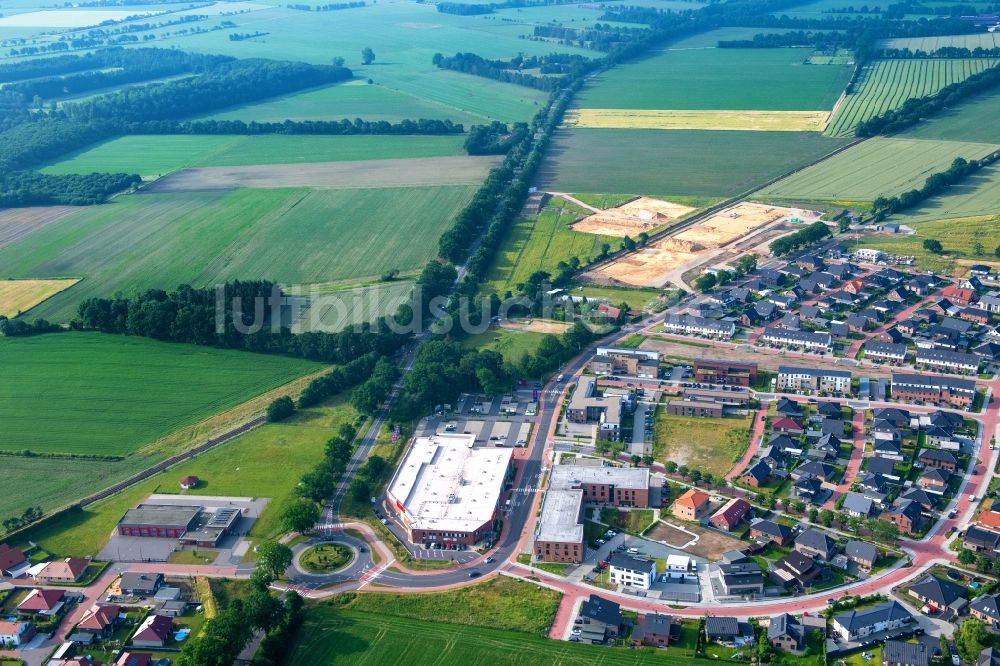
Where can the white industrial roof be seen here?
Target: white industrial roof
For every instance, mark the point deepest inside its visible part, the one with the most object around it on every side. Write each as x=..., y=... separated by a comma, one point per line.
x=445, y=483
x=560, y=520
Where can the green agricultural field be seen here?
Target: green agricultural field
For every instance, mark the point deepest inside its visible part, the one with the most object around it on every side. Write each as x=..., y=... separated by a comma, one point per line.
x=351, y=100
x=958, y=236
x=539, y=244
x=984, y=40
x=879, y=166
x=705, y=444
x=294, y=236
x=330, y=637
x=243, y=467
x=153, y=155
x=973, y=120
x=729, y=79
x=111, y=394
x=978, y=194
x=886, y=84
x=332, y=309
x=665, y=164
x=712, y=38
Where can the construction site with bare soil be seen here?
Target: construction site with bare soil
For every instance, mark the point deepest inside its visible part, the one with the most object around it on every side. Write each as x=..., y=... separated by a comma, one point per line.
x=745, y=226
x=642, y=214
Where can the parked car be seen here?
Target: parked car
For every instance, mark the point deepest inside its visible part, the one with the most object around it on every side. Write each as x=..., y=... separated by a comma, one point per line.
x=474, y=574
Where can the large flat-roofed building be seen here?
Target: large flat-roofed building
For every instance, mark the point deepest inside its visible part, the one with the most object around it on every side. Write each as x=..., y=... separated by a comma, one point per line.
x=932, y=388
x=633, y=362
x=447, y=491
x=620, y=486
x=585, y=407
x=723, y=372
x=559, y=537
x=158, y=520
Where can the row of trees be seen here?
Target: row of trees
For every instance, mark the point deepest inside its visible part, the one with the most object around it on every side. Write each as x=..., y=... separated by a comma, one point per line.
x=340, y=378
x=917, y=108
x=495, y=138
x=804, y=237
x=330, y=7
x=782, y=39
x=472, y=9
x=935, y=184
x=215, y=317
x=334, y=127
x=557, y=68
x=599, y=37
x=318, y=484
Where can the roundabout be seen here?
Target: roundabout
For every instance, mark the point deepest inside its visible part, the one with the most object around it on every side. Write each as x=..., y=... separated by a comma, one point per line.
x=326, y=560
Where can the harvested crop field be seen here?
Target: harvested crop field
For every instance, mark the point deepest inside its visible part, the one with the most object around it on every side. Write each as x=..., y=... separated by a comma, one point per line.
x=17, y=296
x=415, y=172
x=978, y=40
x=876, y=167
x=16, y=223
x=666, y=119
x=650, y=265
x=633, y=217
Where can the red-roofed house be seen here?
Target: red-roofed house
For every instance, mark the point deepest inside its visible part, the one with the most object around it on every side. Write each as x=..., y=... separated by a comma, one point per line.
x=62, y=571
x=989, y=519
x=13, y=563
x=134, y=659
x=692, y=505
x=43, y=602
x=787, y=426
x=15, y=634
x=956, y=294
x=730, y=515
x=609, y=311
x=100, y=619
x=189, y=482
x=153, y=632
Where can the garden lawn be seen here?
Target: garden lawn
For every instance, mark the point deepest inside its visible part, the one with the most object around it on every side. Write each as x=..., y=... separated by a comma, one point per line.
x=292, y=236
x=331, y=637
x=727, y=79
x=151, y=155
x=665, y=164
x=248, y=466
x=500, y=603
x=92, y=393
x=705, y=444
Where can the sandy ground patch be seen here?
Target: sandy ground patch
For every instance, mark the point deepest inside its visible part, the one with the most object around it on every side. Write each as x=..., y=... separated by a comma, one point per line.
x=632, y=217
x=412, y=172
x=16, y=223
x=17, y=296
x=536, y=325
x=651, y=265
x=711, y=544
x=669, y=535
x=671, y=119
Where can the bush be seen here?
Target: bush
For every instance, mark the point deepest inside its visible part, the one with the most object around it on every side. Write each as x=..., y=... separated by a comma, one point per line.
x=280, y=409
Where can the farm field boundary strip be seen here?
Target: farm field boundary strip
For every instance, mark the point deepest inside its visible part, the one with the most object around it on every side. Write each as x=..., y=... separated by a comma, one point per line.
x=887, y=84
x=674, y=119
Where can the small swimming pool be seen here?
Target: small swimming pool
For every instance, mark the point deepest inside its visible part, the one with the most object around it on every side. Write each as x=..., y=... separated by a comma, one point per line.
x=182, y=634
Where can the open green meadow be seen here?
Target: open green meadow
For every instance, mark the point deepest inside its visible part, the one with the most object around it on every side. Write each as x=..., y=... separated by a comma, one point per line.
x=511, y=344
x=153, y=155
x=90, y=393
x=958, y=236
x=683, y=162
x=761, y=79
x=330, y=637
x=243, y=467
x=879, y=166
x=973, y=120
x=201, y=238
x=332, y=309
x=707, y=444
x=539, y=244
x=886, y=84
x=356, y=99
x=711, y=39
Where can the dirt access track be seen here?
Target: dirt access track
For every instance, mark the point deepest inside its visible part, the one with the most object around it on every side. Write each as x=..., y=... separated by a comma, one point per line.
x=667, y=258
x=632, y=218
x=414, y=172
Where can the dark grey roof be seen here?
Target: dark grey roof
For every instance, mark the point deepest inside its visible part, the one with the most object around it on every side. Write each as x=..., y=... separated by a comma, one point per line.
x=759, y=471
x=978, y=535
x=625, y=561
x=772, y=528
x=989, y=657
x=854, y=620
x=829, y=409
x=602, y=610
x=938, y=455
x=920, y=496
x=857, y=503
x=785, y=625
x=942, y=592
x=934, y=381
x=988, y=605
x=812, y=372
x=140, y=581
x=788, y=407
x=816, y=468
x=815, y=539
x=652, y=623
x=722, y=626
x=909, y=654
x=882, y=466
x=861, y=550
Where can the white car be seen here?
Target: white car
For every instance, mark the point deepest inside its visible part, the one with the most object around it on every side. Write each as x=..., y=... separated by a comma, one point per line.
x=972, y=498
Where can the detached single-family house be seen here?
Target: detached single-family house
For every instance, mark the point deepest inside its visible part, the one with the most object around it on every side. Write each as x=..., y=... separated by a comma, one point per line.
x=42, y=602
x=981, y=541
x=68, y=570
x=728, y=631
x=786, y=633
x=939, y=593
x=692, y=505
x=153, y=632
x=14, y=633
x=857, y=505
x=938, y=459
x=602, y=619
x=629, y=571
x=987, y=609
x=900, y=653
x=13, y=563
x=140, y=584
x=730, y=515
x=856, y=625
x=816, y=544
x=771, y=531
x=100, y=619
x=655, y=630
x=757, y=475
x=862, y=553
